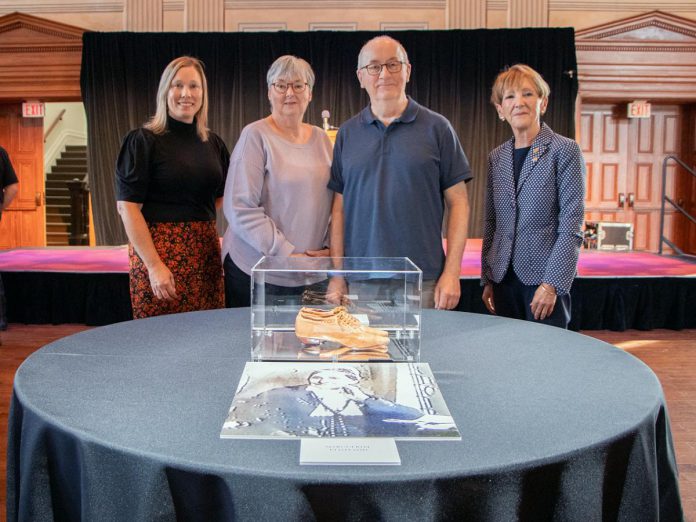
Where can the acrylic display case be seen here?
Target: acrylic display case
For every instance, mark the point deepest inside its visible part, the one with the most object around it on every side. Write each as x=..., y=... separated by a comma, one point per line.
x=335, y=309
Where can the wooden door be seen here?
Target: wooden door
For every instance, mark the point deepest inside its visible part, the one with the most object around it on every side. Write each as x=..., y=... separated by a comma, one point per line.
x=650, y=140
x=603, y=139
x=23, y=223
x=624, y=167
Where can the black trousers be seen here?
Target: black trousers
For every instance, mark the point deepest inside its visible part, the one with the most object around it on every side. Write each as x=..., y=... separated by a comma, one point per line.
x=3, y=307
x=512, y=298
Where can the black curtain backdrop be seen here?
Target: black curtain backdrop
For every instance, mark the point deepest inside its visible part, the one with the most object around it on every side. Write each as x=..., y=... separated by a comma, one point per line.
x=453, y=72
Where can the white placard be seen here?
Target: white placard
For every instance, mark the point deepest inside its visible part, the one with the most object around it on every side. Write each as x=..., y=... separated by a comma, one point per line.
x=350, y=452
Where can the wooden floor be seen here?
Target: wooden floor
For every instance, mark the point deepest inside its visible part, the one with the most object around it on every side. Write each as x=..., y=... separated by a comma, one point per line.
x=671, y=355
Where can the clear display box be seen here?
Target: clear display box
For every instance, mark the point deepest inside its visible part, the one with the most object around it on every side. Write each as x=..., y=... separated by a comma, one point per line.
x=335, y=309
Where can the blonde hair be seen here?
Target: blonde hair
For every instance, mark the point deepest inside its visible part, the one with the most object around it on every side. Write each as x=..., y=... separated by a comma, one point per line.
x=513, y=77
x=158, y=122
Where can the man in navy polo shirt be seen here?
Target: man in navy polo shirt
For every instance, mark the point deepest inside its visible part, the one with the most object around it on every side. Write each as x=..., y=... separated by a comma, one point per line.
x=395, y=164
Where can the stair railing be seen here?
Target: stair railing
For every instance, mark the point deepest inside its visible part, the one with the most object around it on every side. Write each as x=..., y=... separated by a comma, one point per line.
x=678, y=207
x=54, y=124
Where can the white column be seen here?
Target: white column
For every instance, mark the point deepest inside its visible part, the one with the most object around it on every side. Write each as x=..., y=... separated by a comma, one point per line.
x=466, y=14
x=204, y=15
x=528, y=13
x=142, y=15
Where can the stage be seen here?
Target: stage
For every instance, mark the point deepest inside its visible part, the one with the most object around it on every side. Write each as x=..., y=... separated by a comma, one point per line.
x=613, y=290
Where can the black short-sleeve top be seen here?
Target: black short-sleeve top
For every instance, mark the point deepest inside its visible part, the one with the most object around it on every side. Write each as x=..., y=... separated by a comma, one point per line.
x=176, y=176
x=7, y=173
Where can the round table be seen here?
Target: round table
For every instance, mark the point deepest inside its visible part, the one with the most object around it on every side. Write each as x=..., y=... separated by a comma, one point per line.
x=122, y=422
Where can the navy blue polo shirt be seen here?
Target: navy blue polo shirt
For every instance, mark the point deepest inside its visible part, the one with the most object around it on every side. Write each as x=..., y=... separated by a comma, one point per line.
x=392, y=180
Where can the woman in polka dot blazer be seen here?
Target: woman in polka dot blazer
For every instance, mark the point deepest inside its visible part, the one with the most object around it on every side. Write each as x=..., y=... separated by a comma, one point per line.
x=534, y=207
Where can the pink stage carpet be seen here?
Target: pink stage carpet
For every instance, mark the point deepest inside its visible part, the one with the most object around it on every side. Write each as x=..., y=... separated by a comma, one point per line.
x=613, y=290
x=592, y=263
x=76, y=259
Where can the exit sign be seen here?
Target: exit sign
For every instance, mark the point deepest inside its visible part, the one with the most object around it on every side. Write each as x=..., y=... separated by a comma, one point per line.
x=639, y=109
x=33, y=109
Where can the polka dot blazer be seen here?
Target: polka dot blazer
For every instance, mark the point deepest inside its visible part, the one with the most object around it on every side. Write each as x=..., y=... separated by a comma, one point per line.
x=536, y=226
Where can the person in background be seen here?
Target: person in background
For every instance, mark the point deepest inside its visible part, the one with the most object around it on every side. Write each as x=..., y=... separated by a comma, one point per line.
x=534, y=207
x=170, y=176
x=396, y=164
x=9, y=186
x=276, y=200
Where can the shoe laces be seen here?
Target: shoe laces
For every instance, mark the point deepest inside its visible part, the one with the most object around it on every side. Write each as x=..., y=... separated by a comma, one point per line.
x=345, y=319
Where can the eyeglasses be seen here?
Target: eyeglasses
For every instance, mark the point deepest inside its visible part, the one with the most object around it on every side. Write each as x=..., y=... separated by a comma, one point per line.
x=375, y=69
x=282, y=87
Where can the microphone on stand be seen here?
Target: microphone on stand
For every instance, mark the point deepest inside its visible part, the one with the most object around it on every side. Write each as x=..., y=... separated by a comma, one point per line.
x=325, y=116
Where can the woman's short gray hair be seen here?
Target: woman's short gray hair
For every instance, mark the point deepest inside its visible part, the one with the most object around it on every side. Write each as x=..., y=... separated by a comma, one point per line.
x=289, y=68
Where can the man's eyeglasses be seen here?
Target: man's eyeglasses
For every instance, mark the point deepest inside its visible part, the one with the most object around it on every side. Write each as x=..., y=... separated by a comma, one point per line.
x=282, y=87
x=375, y=69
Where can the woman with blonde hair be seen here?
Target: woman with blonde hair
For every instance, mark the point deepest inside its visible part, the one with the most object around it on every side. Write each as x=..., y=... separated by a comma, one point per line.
x=170, y=178
x=534, y=207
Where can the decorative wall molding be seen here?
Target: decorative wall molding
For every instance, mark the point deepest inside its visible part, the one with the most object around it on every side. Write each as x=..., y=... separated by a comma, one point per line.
x=497, y=5
x=402, y=26
x=260, y=27
x=92, y=6
x=335, y=4
x=641, y=57
x=655, y=31
x=38, y=27
x=39, y=59
x=173, y=5
x=637, y=49
x=613, y=5
x=42, y=49
x=23, y=33
x=333, y=26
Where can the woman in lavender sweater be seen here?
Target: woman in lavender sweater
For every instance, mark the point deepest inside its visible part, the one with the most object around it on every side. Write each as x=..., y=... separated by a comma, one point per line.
x=276, y=201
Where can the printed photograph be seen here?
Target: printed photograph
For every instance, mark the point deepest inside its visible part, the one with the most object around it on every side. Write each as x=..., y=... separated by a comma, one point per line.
x=286, y=400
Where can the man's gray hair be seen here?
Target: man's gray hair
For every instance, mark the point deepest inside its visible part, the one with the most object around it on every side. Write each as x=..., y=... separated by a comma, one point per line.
x=400, y=49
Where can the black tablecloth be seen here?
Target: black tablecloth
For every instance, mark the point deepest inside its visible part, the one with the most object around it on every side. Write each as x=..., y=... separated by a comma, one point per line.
x=122, y=423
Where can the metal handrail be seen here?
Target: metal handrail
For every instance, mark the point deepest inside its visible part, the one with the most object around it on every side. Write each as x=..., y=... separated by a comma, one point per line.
x=678, y=207
x=53, y=125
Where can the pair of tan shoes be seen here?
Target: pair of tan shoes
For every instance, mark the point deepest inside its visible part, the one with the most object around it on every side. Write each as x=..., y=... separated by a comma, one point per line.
x=337, y=325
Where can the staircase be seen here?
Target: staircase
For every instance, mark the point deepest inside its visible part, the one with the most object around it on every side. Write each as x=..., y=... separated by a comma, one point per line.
x=71, y=164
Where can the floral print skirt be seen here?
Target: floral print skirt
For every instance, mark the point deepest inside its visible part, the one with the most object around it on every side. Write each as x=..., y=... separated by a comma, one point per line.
x=191, y=250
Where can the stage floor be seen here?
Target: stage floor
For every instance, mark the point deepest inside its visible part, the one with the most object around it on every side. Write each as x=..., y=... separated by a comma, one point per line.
x=613, y=290
x=592, y=263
